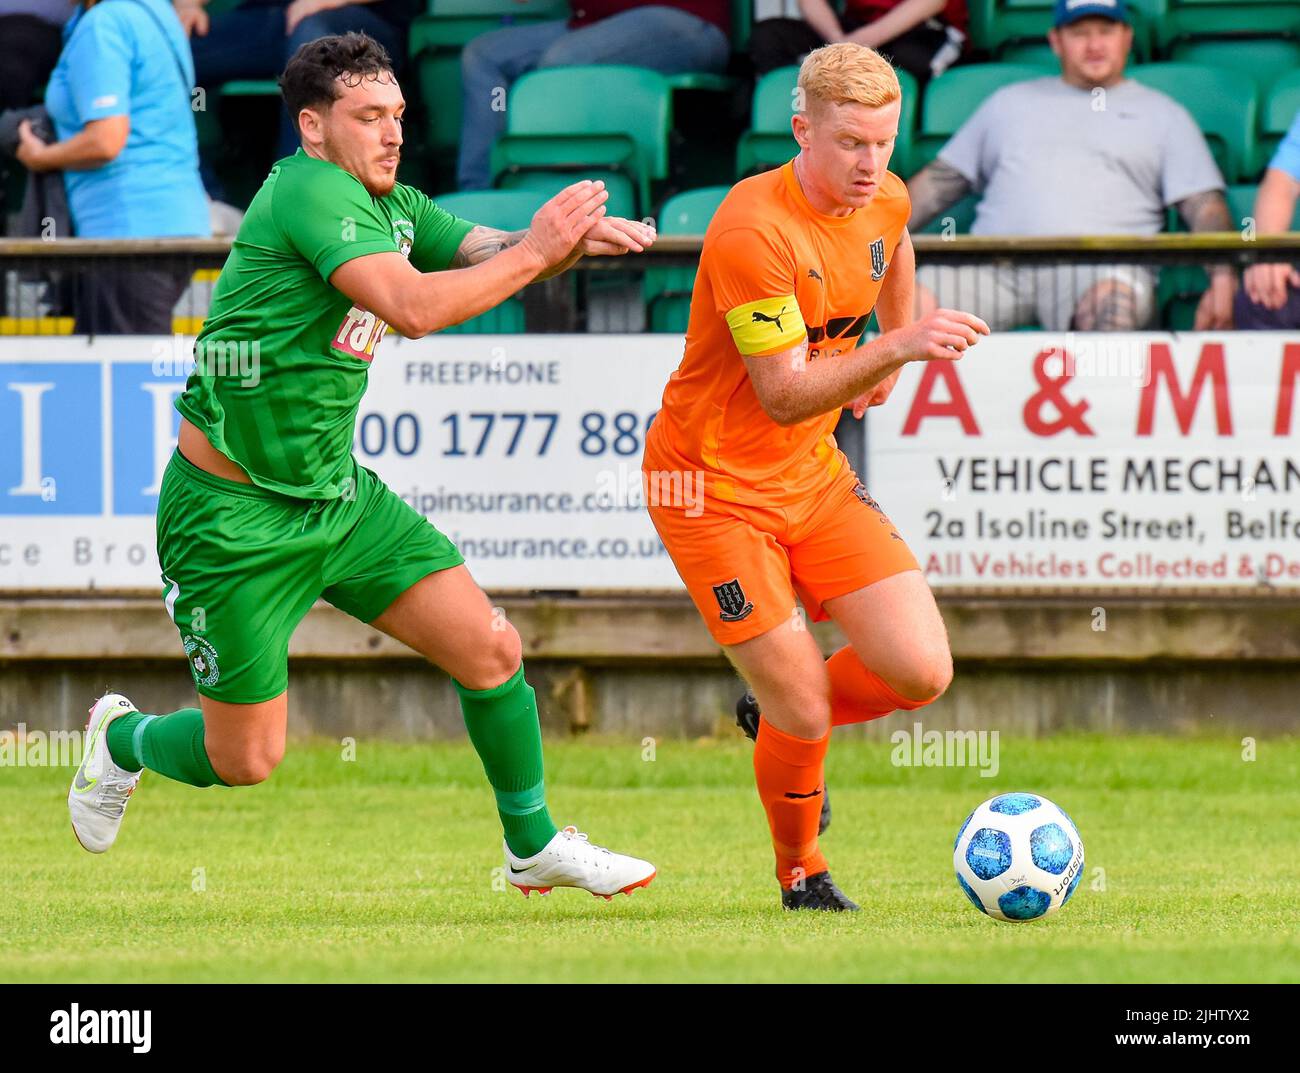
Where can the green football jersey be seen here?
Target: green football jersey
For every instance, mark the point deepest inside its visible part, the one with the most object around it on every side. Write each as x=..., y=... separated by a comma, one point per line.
x=282, y=360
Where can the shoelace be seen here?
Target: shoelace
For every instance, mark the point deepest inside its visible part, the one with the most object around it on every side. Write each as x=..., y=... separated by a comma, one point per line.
x=582, y=846
x=114, y=794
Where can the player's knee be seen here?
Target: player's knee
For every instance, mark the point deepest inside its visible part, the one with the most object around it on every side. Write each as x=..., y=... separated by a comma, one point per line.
x=248, y=766
x=926, y=678
x=497, y=660
x=811, y=721
x=801, y=709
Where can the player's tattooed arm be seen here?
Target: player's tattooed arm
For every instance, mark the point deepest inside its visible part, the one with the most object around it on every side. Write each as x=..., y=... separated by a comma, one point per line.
x=935, y=187
x=484, y=242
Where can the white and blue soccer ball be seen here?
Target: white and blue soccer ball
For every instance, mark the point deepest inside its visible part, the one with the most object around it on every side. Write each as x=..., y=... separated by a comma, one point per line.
x=1018, y=857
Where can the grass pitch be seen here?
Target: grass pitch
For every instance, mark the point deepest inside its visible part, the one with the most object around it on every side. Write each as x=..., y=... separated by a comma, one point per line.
x=382, y=869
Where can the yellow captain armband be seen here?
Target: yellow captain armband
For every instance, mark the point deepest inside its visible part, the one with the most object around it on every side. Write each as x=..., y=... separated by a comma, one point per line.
x=766, y=326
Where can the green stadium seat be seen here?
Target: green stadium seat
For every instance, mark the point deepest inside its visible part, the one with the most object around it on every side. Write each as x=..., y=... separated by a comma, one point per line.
x=1263, y=60
x=1280, y=109
x=622, y=193
x=435, y=42
x=578, y=119
x=667, y=291
x=769, y=143
x=508, y=210
x=1188, y=19
x=1031, y=54
x=1224, y=105
x=251, y=87
x=742, y=21
x=1241, y=203
x=953, y=97
x=702, y=80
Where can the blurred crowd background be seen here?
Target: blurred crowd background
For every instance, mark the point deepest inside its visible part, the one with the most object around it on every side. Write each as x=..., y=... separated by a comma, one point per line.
x=146, y=118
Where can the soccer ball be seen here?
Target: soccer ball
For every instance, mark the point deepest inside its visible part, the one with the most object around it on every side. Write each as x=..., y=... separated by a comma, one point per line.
x=1018, y=857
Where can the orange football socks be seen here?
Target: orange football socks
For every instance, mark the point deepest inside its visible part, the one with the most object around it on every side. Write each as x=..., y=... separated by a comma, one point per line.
x=788, y=771
x=858, y=695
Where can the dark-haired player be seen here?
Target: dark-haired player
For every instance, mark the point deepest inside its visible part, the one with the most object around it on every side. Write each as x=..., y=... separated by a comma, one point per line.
x=263, y=508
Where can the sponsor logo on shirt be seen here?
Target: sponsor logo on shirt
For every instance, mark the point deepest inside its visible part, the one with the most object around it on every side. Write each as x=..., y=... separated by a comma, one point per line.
x=361, y=330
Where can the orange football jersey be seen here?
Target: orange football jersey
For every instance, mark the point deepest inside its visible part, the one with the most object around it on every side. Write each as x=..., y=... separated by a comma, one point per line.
x=772, y=270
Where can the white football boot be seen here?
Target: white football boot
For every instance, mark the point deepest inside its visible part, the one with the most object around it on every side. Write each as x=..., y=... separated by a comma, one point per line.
x=100, y=789
x=569, y=860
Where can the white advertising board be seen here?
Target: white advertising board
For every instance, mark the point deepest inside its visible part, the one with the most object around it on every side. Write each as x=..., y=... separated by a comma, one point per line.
x=1135, y=461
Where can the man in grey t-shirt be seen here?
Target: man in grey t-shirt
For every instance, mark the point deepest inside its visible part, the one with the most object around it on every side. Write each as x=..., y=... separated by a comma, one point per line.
x=1089, y=153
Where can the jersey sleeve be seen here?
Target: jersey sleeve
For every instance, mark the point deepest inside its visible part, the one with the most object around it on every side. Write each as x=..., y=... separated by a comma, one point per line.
x=438, y=235
x=329, y=218
x=98, y=61
x=752, y=279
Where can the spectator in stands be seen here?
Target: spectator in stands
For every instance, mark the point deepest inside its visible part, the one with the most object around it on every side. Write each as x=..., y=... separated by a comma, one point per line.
x=923, y=37
x=1089, y=153
x=32, y=32
x=672, y=36
x=256, y=39
x=1270, y=294
x=120, y=101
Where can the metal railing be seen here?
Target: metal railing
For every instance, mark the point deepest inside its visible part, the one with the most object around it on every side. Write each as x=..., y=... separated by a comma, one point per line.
x=47, y=286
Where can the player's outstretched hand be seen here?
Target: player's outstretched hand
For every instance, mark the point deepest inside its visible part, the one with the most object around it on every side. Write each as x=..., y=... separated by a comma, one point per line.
x=945, y=334
x=614, y=235
x=560, y=224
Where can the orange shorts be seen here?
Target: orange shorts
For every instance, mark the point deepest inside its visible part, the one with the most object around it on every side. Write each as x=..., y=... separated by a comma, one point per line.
x=743, y=565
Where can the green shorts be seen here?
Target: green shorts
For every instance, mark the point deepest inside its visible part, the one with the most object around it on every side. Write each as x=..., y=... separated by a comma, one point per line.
x=242, y=565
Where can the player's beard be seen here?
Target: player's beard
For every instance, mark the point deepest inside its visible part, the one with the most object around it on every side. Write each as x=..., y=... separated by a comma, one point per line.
x=382, y=185
x=376, y=182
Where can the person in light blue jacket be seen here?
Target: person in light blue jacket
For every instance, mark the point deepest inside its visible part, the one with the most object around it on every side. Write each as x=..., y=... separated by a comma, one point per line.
x=120, y=101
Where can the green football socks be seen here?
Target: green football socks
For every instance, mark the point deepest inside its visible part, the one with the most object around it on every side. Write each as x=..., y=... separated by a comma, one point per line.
x=503, y=727
x=171, y=745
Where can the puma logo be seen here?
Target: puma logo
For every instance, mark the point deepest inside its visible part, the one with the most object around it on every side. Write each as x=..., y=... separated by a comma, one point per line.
x=814, y=274
x=815, y=793
x=757, y=316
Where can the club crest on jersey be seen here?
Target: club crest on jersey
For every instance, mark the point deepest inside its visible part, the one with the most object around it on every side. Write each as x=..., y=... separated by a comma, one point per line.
x=404, y=236
x=731, y=601
x=203, y=660
x=878, y=263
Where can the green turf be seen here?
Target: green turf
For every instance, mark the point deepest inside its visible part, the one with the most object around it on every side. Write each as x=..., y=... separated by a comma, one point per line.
x=382, y=869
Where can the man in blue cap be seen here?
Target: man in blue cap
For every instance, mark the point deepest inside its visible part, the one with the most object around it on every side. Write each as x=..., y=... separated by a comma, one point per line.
x=1090, y=152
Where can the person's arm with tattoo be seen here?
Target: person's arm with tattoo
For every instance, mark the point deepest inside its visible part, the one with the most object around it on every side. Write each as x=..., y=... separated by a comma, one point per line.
x=936, y=187
x=1208, y=211
x=612, y=235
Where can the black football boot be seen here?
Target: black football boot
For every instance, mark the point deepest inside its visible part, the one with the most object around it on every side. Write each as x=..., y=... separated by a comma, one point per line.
x=819, y=892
